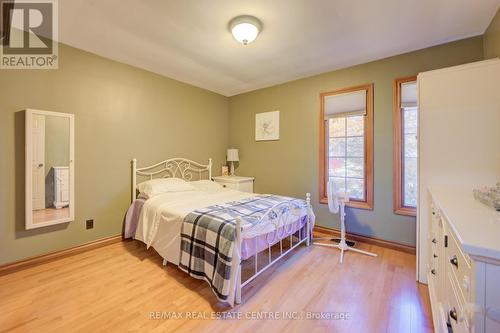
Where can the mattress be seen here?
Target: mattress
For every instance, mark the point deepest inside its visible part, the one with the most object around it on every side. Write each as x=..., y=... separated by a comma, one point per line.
x=158, y=221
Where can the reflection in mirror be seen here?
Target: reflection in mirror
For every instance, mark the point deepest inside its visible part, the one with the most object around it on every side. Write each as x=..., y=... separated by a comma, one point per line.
x=49, y=180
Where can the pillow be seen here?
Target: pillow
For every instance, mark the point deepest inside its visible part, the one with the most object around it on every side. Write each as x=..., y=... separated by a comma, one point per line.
x=153, y=187
x=207, y=185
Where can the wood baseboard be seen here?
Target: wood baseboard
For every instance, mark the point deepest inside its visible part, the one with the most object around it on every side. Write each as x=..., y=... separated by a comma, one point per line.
x=325, y=231
x=43, y=258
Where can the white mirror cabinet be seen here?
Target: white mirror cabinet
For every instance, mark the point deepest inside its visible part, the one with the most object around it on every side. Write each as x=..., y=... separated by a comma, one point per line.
x=50, y=184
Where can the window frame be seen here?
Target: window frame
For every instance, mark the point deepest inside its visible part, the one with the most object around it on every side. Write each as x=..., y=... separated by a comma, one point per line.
x=398, y=163
x=367, y=203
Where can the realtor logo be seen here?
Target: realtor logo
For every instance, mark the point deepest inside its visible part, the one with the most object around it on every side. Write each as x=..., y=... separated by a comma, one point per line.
x=29, y=34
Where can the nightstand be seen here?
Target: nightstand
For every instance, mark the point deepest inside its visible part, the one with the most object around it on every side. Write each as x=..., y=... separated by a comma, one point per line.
x=243, y=184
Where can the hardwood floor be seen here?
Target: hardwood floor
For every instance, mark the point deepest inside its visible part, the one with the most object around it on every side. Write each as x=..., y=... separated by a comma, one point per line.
x=116, y=288
x=49, y=214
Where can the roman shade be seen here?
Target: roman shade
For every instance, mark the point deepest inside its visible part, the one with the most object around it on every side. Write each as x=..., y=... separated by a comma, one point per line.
x=350, y=103
x=409, y=94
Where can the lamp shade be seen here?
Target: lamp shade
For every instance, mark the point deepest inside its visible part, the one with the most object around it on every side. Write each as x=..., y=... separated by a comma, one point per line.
x=232, y=155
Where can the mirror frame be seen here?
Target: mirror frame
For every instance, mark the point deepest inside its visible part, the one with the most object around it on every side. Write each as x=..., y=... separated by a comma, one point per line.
x=28, y=168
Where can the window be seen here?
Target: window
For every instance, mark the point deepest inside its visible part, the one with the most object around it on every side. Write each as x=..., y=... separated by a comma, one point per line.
x=405, y=145
x=346, y=145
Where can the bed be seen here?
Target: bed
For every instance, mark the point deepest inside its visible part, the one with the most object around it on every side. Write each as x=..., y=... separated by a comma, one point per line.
x=207, y=230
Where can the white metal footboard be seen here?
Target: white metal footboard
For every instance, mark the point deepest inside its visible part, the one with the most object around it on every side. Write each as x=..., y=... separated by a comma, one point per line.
x=281, y=214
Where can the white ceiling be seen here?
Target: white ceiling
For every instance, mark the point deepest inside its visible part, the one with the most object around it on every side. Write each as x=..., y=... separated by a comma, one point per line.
x=188, y=40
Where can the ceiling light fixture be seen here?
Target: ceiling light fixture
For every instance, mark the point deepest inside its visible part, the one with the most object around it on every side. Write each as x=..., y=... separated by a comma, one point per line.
x=245, y=28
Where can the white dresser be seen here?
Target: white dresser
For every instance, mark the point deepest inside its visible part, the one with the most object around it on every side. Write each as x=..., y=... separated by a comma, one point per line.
x=463, y=269
x=244, y=184
x=458, y=136
x=458, y=238
x=61, y=186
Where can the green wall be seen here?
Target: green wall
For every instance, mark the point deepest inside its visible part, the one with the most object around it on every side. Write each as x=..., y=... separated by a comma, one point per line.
x=290, y=166
x=492, y=38
x=121, y=112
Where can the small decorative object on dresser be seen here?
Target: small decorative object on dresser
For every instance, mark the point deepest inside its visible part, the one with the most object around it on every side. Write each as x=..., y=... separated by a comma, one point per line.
x=489, y=196
x=243, y=184
x=267, y=126
x=225, y=170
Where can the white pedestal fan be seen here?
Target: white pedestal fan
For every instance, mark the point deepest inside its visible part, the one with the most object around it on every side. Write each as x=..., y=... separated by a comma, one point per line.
x=336, y=204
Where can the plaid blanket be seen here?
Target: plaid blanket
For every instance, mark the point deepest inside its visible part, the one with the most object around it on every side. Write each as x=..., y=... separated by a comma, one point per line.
x=208, y=238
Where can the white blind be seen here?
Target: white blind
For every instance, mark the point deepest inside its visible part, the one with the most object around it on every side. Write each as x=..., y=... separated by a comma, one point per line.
x=346, y=103
x=409, y=94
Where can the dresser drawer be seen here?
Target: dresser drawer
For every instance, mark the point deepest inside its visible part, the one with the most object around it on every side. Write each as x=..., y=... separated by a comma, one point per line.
x=435, y=219
x=243, y=184
x=434, y=245
x=455, y=313
x=435, y=233
x=246, y=187
x=233, y=186
x=459, y=266
x=433, y=261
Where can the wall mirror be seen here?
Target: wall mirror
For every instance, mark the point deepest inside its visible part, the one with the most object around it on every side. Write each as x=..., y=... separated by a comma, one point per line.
x=49, y=168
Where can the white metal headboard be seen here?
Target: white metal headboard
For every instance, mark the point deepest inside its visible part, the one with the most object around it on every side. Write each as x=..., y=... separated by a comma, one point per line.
x=171, y=168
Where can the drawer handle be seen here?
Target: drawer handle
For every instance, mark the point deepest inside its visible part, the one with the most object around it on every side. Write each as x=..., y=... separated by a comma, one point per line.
x=454, y=261
x=434, y=240
x=453, y=314
x=433, y=271
x=434, y=255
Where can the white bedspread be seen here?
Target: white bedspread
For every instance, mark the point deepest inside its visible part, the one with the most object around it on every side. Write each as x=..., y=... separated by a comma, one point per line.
x=161, y=218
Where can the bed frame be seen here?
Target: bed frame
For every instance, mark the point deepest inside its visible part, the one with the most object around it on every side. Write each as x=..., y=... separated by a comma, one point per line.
x=189, y=170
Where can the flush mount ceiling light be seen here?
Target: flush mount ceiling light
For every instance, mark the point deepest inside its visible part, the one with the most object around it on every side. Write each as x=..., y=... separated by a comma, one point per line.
x=245, y=28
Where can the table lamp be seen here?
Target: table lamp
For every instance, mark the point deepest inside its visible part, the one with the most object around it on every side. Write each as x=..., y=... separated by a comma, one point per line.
x=232, y=156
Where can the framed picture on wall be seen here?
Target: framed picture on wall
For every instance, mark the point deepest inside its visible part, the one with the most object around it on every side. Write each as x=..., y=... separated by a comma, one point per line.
x=267, y=126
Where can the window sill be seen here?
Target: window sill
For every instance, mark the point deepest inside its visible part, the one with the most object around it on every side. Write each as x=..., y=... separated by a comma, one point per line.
x=407, y=211
x=352, y=204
